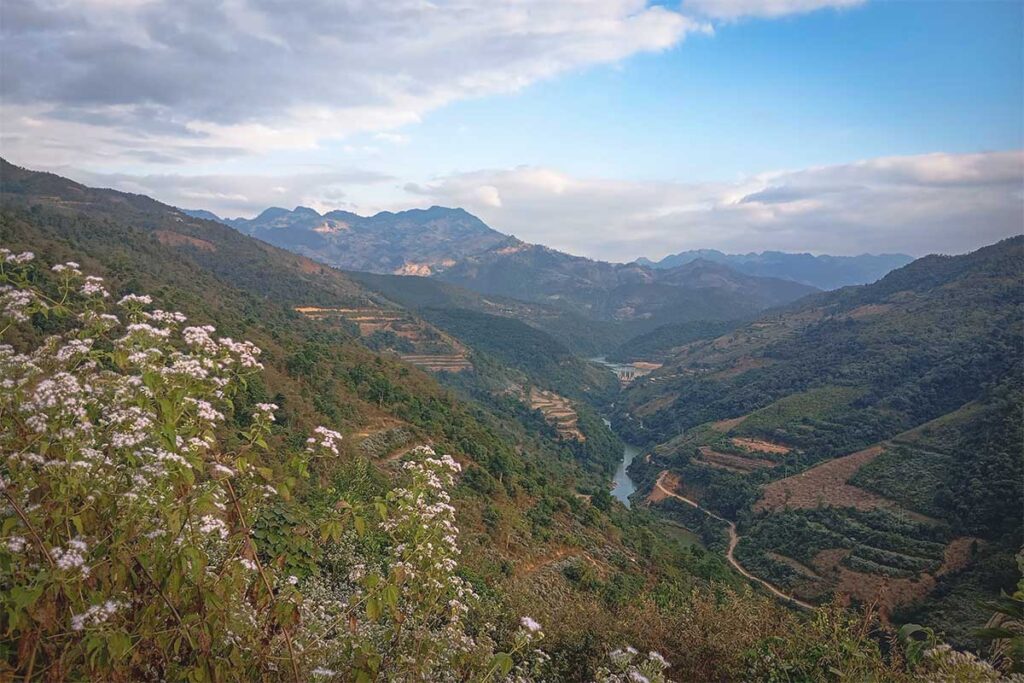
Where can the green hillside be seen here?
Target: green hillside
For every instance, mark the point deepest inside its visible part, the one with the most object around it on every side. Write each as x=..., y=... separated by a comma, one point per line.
x=843, y=430
x=287, y=523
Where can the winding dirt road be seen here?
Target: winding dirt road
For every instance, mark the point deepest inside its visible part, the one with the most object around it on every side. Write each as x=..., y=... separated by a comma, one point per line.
x=734, y=539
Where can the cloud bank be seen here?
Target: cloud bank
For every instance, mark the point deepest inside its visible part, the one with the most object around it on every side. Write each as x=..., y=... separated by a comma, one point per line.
x=921, y=204
x=178, y=80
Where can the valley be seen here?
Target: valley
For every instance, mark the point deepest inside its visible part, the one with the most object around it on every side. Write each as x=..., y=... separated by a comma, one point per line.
x=511, y=341
x=756, y=462
x=805, y=450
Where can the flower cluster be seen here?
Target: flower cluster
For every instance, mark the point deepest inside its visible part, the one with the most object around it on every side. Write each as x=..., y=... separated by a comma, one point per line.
x=325, y=439
x=114, y=487
x=629, y=666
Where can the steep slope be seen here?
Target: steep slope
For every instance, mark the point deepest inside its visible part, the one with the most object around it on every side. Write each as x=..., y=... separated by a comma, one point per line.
x=522, y=496
x=823, y=271
x=922, y=341
x=866, y=440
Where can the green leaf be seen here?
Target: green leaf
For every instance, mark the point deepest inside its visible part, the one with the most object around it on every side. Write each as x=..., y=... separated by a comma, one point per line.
x=118, y=644
x=502, y=661
x=24, y=597
x=373, y=610
x=390, y=596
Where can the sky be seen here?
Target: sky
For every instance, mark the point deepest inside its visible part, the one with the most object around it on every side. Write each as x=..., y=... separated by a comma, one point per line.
x=608, y=128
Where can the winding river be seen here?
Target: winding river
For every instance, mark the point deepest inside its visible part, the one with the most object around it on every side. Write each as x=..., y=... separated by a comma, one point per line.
x=622, y=486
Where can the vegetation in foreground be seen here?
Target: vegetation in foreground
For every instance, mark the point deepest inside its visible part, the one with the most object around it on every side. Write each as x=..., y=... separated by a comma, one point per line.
x=145, y=537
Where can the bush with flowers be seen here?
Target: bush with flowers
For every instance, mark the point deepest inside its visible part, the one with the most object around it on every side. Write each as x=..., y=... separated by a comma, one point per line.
x=127, y=542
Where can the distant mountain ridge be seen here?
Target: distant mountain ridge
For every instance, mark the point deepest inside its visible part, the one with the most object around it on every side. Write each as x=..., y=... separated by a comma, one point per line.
x=823, y=271
x=414, y=242
x=454, y=246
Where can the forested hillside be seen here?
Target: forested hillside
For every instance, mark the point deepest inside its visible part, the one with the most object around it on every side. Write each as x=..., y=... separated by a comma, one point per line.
x=839, y=430
x=216, y=478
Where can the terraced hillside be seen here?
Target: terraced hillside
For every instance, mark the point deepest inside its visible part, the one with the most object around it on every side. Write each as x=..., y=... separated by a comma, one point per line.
x=415, y=340
x=866, y=441
x=558, y=411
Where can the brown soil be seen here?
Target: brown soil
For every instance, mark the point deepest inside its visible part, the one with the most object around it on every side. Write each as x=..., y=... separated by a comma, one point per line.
x=725, y=425
x=825, y=485
x=733, y=462
x=667, y=482
x=889, y=592
x=176, y=239
x=761, y=446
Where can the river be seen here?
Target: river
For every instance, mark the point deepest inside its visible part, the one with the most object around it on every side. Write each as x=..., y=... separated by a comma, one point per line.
x=622, y=486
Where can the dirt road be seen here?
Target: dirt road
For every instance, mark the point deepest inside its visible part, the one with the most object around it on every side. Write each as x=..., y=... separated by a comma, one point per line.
x=734, y=539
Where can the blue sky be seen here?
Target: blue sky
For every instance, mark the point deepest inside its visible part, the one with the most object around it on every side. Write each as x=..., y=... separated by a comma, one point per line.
x=882, y=79
x=611, y=128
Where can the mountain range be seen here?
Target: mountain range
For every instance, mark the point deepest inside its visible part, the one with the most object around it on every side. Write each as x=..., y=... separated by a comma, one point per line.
x=822, y=271
x=454, y=246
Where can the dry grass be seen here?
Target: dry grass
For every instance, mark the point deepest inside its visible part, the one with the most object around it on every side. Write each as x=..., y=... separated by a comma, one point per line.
x=761, y=446
x=176, y=239
x=735, y=463
x=824, y=485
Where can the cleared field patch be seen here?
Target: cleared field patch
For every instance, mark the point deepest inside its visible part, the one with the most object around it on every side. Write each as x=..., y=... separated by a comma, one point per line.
x=670, y=482
x=796, y=409
x=736, y=463
x=724, y=426
x=439, y=362
x=866, y=587
x=876, y=555
x=558, y=412
x=824, y=485
x=760, y=446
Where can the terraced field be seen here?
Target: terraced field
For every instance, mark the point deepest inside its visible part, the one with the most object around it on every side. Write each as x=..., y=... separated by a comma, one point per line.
x=740, y=464
x=558, y=411
x=416, y=341
x=877, y=555
x=439, y=362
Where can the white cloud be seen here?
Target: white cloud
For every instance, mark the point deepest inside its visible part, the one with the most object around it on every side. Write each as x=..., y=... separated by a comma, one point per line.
x=229, y=196
x=916, y=204
x=736, y=9
x=166, y=79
